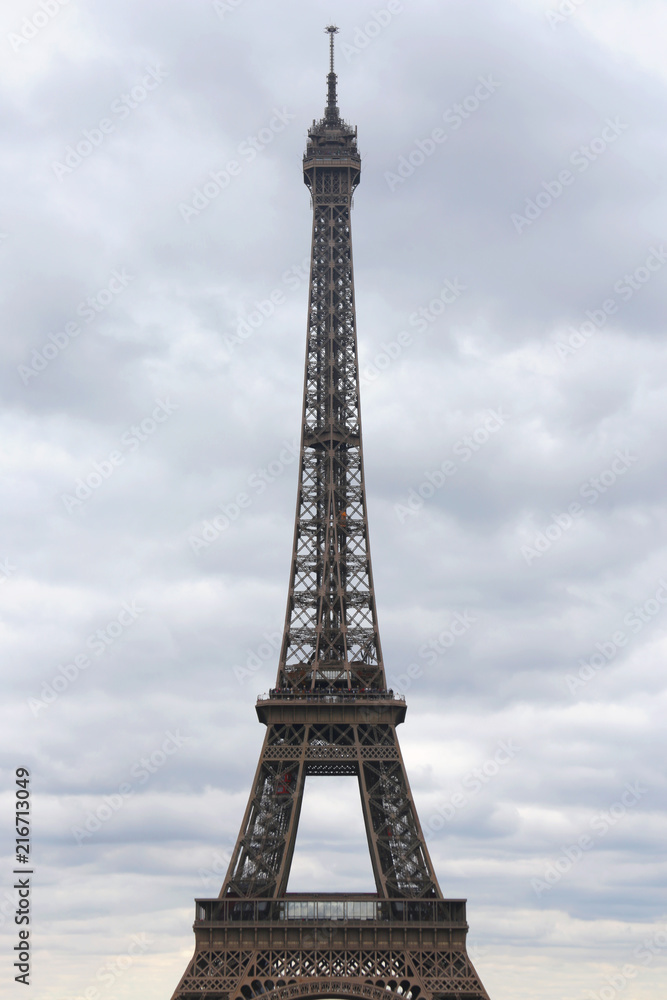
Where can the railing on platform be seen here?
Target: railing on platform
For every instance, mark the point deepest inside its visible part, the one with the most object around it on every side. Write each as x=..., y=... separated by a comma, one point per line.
x=339, y=696
x=308, y=909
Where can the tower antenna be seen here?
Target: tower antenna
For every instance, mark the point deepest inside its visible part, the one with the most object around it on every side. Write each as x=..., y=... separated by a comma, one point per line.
x=332, y=115
x=331, y=30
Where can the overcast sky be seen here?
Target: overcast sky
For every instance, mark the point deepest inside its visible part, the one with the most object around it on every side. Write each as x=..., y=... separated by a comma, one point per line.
x=510, y=239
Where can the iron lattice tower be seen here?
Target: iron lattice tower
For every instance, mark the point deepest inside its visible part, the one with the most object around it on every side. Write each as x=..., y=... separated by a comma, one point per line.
x=330, y=712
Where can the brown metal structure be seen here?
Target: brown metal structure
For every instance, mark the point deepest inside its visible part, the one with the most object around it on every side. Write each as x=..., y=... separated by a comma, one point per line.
x=330, y=712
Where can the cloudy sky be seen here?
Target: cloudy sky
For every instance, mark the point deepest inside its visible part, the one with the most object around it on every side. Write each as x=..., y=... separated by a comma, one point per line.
x=511, y=277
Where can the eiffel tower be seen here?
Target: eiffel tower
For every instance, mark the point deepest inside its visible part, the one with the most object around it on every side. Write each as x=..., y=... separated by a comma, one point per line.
x=330, y=712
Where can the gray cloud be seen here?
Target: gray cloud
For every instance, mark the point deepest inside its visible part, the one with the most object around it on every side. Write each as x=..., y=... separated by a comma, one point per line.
x=176, y=331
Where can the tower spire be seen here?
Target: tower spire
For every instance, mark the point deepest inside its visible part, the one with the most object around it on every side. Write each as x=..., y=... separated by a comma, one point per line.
x=332, y=115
